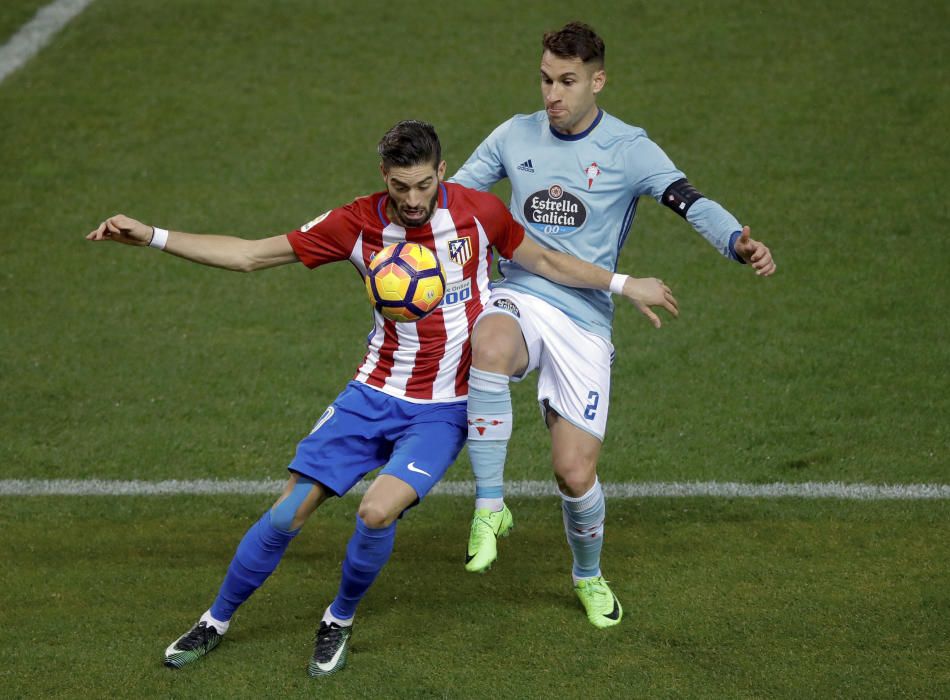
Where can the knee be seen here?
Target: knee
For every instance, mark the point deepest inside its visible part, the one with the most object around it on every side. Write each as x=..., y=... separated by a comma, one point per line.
x=575, y=477
x=375, y=515
x=492, y=356
x=296, y=505
x=498, y=347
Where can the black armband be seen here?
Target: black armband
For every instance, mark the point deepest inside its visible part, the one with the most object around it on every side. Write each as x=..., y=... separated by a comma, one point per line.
x=680, y=196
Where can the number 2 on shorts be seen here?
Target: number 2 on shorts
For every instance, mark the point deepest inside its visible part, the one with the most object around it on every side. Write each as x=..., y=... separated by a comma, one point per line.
x=591, y=409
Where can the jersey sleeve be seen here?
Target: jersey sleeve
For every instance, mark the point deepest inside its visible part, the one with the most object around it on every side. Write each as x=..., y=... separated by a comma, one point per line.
x=716, y=225
x=485, y=166
x=328, y=238
x=504, y=233
x=652, y=172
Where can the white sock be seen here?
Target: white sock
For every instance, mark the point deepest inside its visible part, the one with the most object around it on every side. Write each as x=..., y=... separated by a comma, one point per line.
x=493, y=504
x=329, y=618
x=222, y=627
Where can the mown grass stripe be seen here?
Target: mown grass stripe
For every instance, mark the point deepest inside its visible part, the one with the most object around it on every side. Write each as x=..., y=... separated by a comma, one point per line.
x=36, y=33
x=523, y=489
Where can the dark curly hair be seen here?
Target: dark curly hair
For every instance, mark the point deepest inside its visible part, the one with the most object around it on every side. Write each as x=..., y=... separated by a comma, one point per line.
x=410, y=142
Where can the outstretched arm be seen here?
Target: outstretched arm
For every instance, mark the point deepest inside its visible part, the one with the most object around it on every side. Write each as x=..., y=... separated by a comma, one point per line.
x=574, y=272
x=651, y=171
x=228, y=252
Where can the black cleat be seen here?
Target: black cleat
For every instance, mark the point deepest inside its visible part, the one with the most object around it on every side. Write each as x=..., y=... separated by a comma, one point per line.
x=192, y=645
x=329, y=649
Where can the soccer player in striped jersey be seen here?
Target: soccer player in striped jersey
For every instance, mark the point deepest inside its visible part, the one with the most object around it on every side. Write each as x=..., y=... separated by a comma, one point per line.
x=576, y=175
x=405, y=409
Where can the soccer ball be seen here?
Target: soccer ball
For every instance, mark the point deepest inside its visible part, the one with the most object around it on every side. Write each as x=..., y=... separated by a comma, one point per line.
x=405, y=281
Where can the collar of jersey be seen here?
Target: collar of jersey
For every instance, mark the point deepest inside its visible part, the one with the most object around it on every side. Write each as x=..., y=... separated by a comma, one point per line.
x=578, y=137
x=381, y=207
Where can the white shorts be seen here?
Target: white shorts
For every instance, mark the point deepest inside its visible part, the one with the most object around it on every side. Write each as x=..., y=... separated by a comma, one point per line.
x=573, y=364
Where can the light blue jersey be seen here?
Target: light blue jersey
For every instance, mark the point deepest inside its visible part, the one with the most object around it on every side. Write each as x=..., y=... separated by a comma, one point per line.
x=578, y=194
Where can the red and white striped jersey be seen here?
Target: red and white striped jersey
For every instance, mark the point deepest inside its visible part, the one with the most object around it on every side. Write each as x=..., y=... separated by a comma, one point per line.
x=426, y=361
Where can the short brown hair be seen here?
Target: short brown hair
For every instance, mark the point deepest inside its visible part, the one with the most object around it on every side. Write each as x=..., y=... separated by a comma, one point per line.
x=575, y=40
x=410, y=142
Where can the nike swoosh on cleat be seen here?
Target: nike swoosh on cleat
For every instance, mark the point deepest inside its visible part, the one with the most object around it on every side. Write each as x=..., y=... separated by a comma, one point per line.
x=413, y=468
x=468, y=557
x=329, y=665
x=615, y=613
x=173, y=648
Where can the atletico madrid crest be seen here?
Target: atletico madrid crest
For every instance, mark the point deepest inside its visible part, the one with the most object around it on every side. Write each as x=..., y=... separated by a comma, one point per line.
x=460, y=250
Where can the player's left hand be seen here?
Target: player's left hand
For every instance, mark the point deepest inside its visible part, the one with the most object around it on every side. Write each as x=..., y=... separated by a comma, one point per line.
x=645, y=292
x=122, y=229
x=755, y=253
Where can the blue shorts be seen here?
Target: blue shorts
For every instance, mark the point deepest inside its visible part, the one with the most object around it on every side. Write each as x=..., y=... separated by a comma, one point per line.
x=364, y=429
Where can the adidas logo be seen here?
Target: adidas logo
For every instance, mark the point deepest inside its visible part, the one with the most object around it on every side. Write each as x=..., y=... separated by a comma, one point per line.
x=527, y=166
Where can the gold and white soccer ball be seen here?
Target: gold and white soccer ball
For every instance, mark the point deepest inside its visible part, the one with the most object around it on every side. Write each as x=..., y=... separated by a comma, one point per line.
x=405, y=281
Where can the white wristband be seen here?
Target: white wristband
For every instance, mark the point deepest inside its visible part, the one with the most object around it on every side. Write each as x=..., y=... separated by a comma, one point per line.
x=160, y=238
x=617, y=282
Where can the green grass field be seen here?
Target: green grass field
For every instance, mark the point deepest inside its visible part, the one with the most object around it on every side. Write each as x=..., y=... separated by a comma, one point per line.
x=821, y=126
x=724, y=599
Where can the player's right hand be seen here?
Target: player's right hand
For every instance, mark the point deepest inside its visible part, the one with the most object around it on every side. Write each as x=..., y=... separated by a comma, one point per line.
x=645, y=292
x=122, y=229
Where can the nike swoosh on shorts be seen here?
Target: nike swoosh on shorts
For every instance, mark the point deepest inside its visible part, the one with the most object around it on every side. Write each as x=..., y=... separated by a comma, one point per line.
x=413, y=468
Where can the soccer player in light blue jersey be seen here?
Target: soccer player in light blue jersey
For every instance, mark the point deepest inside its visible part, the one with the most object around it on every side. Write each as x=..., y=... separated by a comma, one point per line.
x=577, y=175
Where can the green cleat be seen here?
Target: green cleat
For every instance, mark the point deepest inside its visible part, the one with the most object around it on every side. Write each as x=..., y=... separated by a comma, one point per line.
x=487, y=525
x=192, y=645
x=602, y=607
x=329, y=649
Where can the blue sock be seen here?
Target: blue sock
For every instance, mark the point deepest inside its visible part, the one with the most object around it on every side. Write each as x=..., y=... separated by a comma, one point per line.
x=489, y=429
x=256, y=557
x=584, y=526
x=366, y=555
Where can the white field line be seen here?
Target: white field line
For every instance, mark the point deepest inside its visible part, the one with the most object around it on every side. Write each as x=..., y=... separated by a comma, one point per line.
x=36, y=33
x=522, y=489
